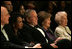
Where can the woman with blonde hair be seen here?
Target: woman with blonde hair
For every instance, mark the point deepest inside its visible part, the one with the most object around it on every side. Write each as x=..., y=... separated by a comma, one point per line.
x=62, y=30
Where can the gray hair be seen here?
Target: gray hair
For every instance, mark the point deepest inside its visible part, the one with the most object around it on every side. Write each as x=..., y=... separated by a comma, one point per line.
x=28, y=12
x=59, y=16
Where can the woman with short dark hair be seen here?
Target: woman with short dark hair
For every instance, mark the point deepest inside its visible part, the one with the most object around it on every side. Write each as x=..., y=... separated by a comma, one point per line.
x=44, y=22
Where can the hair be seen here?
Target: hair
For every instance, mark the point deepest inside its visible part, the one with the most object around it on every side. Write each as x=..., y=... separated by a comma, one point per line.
x=14, y=18
x=28, y=11
x=64, y=43
x=59, y=15
x=41, y=13
x=17, y=7
x=43, y=17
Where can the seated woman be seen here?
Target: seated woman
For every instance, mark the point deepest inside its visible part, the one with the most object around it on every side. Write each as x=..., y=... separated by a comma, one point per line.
x=44, y=22
x=16, y=25
x=62, y=30
x=15, y=34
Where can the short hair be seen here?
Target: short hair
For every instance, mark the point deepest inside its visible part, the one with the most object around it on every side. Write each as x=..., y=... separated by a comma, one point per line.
x=14, y=17
x=59, y=15
x=41, y=13
x=43, y=17
x=28, y=12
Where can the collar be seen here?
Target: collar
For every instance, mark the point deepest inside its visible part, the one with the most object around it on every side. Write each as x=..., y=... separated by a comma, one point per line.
x=32, y=25
x=2, y=27
x=61, y=26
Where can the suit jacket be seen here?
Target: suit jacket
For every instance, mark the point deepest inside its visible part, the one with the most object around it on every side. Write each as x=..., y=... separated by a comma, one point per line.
x=36, y=36
x=8, y=44
x=16, y=39
x=60, y=31
x=12, y=39
x=50, y=35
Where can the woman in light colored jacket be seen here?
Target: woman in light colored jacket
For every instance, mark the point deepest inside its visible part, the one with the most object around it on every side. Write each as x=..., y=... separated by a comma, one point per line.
x=62, y=30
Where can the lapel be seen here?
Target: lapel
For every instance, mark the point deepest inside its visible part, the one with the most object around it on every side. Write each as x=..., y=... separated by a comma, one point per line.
x=2, y=37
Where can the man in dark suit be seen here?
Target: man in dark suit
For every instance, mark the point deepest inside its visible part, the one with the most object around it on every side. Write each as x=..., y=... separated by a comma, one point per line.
x=5, y=41
x=4, y=37
x=36, y=33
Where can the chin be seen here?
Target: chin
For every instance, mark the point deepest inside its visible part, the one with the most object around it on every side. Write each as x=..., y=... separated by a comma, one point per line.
x=48, y=25
x=7, y=23
x=36, y=24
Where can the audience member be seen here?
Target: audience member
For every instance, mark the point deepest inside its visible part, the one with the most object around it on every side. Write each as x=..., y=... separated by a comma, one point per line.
x=62, y=30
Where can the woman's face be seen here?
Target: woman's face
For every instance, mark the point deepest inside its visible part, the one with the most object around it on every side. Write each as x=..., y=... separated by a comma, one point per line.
x=19, y=23
x=64, y=20
x=46, y=22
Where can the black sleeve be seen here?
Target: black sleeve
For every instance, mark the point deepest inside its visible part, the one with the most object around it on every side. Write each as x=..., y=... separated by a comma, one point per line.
x=46, y=45
x=10, y=45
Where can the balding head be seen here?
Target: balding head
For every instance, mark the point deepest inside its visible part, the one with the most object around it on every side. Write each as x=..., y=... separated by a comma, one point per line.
x=4, y=16
x=3, y=9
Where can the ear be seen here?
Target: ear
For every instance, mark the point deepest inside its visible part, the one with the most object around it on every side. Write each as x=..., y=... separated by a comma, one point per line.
x=42, y=23
x=1, y=18
x=27, y=19
x=59, y=22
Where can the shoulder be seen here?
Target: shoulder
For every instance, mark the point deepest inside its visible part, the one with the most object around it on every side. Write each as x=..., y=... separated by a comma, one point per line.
x=67, y=27
x=59, y=29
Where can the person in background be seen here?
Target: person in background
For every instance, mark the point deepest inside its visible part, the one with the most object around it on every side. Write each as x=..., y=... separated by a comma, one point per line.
x=31, y=5
x=8, y=5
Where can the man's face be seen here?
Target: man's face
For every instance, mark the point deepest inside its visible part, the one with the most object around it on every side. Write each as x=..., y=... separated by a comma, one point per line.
x=63, y=4
x=33, y=19
x=5, y=16
x=8, y=5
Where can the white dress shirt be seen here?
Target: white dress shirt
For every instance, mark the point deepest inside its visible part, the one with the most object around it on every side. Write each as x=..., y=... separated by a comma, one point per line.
x=4, y=33
x=42, y=32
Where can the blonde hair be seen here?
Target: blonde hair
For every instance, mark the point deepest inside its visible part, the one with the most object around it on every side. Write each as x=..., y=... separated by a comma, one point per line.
x=59, y=16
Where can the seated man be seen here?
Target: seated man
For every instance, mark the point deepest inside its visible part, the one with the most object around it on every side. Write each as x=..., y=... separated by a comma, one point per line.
x=37, y=34
x=5, y=41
